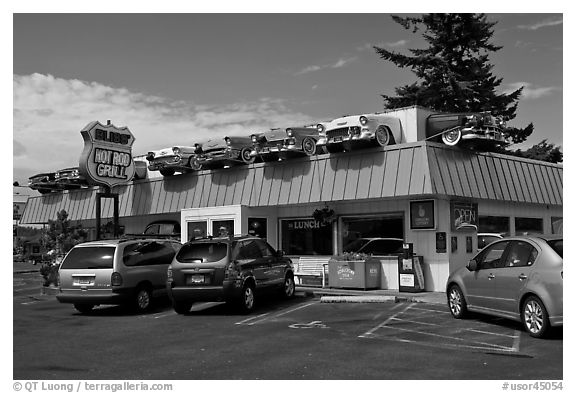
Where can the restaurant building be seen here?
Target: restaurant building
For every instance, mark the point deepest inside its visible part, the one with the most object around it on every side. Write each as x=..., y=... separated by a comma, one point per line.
x=434, y=196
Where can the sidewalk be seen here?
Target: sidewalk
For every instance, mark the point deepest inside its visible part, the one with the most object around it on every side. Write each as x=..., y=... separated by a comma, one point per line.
x=25, y=267
x=333, y=295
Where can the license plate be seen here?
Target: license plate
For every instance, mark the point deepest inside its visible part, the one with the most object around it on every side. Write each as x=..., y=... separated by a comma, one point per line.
x=195, y=279
x=84, y=281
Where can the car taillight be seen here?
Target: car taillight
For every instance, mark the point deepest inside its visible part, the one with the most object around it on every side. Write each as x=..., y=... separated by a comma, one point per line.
x=169, y=277
x=116, y=279
x=231, y=272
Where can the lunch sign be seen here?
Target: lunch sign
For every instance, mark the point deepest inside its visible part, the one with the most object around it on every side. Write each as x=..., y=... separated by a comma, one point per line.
x=107, y=156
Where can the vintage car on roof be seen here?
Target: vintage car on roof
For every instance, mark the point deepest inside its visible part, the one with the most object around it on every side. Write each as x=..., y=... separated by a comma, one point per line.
x=348, y=132
x=223, y=153
x=43, y=182
x=303, y=140
x=70, y=178
x=267, y=145
x=472, y=128
x=171, y=159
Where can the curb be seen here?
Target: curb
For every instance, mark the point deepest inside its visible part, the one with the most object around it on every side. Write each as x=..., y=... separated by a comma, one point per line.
x=358, y=299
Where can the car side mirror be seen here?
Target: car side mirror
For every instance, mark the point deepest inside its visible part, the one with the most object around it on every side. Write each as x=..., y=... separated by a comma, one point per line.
x=472, y=265
x=280, y=253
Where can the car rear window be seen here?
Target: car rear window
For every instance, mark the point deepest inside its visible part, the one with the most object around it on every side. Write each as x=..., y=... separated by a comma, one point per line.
x=558, y=246
x=89, y=258
x=202, y=252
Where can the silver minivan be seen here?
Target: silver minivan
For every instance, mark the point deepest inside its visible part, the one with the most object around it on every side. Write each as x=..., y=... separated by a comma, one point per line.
x=120, y=271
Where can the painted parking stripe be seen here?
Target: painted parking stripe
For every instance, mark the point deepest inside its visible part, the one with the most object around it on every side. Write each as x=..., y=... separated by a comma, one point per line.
x=371, y=331
x=268, y=316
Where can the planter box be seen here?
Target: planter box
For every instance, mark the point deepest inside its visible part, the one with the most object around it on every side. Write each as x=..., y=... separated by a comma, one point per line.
x=354, y=274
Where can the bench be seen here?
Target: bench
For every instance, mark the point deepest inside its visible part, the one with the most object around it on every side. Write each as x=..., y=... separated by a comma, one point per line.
x=311, y=267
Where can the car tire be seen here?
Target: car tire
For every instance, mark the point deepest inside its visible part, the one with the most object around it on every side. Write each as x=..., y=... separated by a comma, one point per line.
x=309, y=146
x=289, y=287
x=452, y=137
x=382, y=136
x=195, y=164
x=457, y=302
x=167, y=171
x=181, y=307
x=84, y=308
x=333, y=148
x=535, y=317
x=143, y=299
x=246, y=157
x=247, y=300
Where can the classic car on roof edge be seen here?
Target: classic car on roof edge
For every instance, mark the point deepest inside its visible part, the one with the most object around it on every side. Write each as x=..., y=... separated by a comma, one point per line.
x=70, y=178
x=467, y=128
x=43, y=182
x=172, y=159
x=223, y=153
x=350, y=131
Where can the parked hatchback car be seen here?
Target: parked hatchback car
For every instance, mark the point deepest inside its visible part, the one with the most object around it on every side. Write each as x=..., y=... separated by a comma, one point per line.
x=519, y=278
x=125, y=271
x=232, y=269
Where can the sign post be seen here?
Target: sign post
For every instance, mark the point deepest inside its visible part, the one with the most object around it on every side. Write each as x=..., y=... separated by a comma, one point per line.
x=106, y=161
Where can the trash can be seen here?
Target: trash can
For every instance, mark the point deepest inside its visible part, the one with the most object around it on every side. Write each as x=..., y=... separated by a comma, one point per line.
x=362, y=274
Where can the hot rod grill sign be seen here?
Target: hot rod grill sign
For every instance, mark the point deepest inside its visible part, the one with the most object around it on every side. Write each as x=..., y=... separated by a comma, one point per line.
x=107, y=156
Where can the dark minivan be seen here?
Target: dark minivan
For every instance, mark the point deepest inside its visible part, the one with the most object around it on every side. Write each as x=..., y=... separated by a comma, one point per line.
x=231, y=269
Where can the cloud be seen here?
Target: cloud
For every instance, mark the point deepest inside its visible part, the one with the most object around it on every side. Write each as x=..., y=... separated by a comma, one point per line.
x=370, y=46
x=342, y=62
x=531, y=92
x=541, y=24
x=49, y=113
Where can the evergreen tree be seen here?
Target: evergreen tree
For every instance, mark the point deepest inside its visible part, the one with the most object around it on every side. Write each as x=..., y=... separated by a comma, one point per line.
x=454, y=73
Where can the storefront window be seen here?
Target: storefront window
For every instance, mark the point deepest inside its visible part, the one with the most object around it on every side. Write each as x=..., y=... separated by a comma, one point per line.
x=557, y=225
x=197, y=229
x=494, y=224
x=528, y=226
x=306, y=236
x=257, y=227
x=223, y=228
x=373, y=235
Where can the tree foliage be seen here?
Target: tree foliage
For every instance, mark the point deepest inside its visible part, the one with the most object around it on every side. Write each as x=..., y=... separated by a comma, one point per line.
x=454, y=73
x=62, y=235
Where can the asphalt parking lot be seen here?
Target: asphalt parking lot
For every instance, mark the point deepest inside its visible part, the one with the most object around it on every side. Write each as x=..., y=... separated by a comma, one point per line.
x=302, y=338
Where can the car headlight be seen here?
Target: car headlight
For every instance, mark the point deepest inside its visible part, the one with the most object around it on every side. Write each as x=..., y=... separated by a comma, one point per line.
x=197, y=148
x=254, y=138
x=176, y=150
x=75, y=173
x=150, y=156
x=363, y=120
x=320, y=128
x=228, y=141
x=289, y=132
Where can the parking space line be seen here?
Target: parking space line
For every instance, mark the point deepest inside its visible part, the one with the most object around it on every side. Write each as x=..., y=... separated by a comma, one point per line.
x=251, y=318
x=492, y=333
x=516, y=345
x=417, y=322
x=430, y=310
x=510, y=349
x=283, y=313
x=371, y=331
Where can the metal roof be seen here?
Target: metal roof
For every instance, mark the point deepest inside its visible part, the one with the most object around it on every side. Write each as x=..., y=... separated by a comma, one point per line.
x=406, y=170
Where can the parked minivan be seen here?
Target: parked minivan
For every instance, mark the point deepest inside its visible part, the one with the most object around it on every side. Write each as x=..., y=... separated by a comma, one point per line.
x=119, y=271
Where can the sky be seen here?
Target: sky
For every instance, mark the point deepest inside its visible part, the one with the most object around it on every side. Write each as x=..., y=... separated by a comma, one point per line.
x=177, y=79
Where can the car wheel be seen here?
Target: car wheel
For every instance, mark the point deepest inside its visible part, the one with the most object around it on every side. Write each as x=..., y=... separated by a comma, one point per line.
x=333, y=148
x=84, y=308
x=309, y=146
x=452, y=137
x=382, y=136
x=535, y=317
x=181, y=307
x=247, y=301
x=143, y=299
x=195, y=164
x=167, y=171
x=456, y=302
x=246, y=157
x=289, y=287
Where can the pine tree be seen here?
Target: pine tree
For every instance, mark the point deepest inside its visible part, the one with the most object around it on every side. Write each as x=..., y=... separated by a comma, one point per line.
x=454, y=73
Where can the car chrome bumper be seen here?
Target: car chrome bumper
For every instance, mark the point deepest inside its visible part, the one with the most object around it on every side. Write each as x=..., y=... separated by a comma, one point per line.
x=204, y=293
